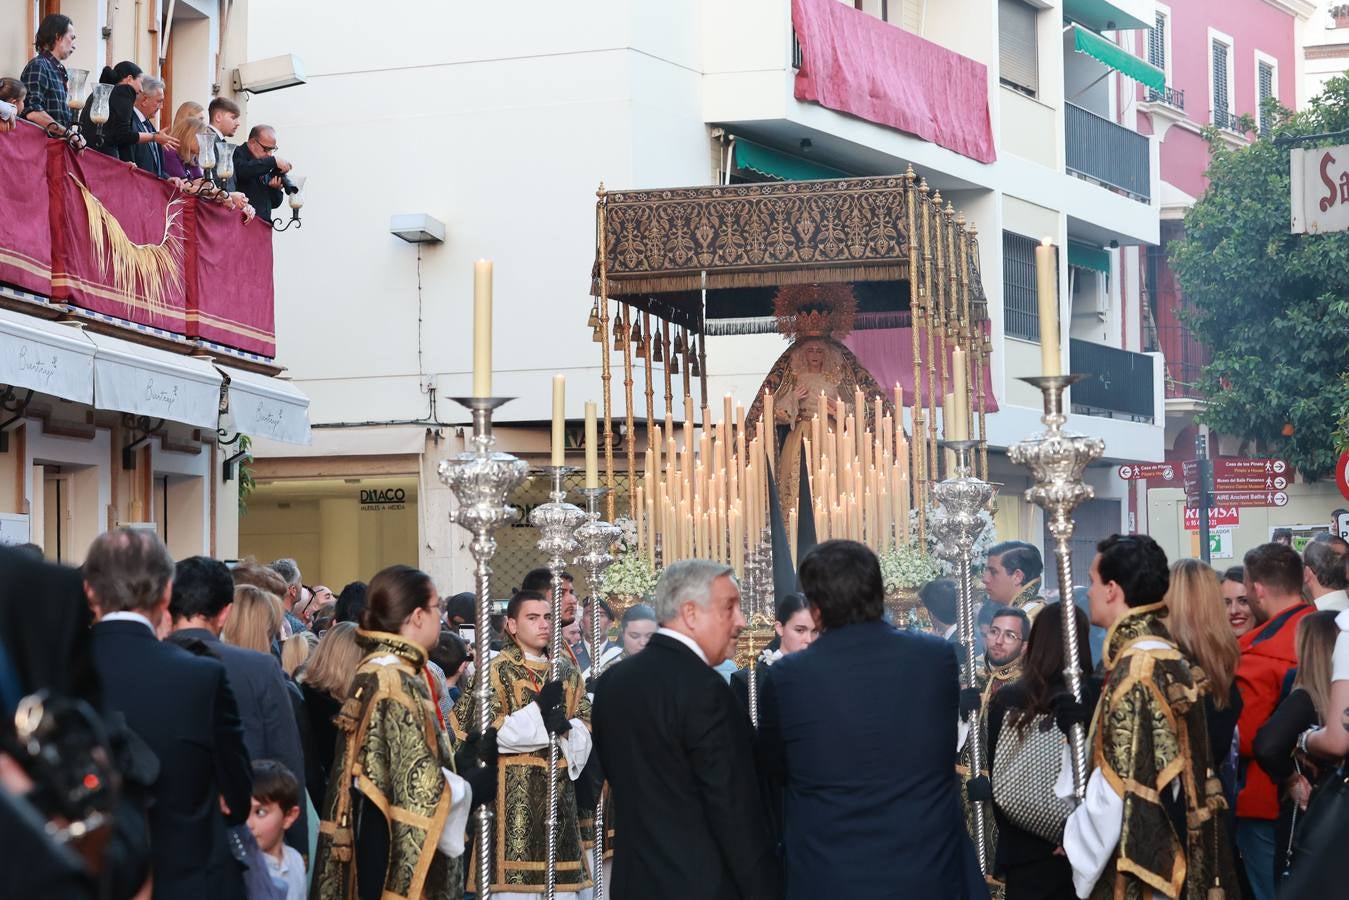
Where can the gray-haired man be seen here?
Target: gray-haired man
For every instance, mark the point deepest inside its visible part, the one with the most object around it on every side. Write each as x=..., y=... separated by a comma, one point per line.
x=289, y=570
x=678, y=752
x=149, y=153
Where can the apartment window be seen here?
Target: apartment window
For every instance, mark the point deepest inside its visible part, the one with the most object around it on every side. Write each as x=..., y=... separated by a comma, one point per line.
x=1266, y=81
x=1157, y=42
x=1018, y=49
x=1021, y=312
x=1221, y=84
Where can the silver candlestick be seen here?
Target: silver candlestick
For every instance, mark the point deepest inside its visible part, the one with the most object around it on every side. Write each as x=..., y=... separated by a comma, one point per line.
x=963, y=497
x=556, y=521
x=482, y=479
x=1057, y=459
x=596, y=538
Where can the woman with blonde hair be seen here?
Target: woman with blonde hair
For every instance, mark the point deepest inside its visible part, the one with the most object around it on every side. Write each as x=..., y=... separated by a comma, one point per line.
x=182, y=163
x=325, y=680
x=189, y=109
x=1197, y=619
x=255, y=620
x=294, y=651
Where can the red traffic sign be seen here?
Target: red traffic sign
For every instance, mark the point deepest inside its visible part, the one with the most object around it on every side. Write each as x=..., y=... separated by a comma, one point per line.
x=1342, y=474
x=1136, y=471
x=1241, y=498
x=1218, y=517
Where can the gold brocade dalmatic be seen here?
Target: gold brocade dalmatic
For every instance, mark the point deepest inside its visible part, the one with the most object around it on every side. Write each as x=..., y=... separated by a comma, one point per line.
x=1150, y=734
x=521, y=845
x=389, y=745
x=1028, y=599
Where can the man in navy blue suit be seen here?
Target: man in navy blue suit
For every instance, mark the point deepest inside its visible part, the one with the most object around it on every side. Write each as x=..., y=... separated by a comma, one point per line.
x=859, y=730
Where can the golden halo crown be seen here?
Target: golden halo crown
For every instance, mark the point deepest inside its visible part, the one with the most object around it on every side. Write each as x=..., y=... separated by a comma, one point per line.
x=815, y=310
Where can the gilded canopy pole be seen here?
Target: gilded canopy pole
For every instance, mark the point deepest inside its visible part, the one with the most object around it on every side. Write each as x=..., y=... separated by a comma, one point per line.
x=917, y=479
x=930, y=451
x=939, y=304
x=981, y=358
x=630, y=439
x=650, y=386
x=606, y=377
x=667, y=360
x=964, y=331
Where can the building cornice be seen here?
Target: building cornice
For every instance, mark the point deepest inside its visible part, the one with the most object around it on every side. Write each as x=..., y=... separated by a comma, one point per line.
x=1302, y=9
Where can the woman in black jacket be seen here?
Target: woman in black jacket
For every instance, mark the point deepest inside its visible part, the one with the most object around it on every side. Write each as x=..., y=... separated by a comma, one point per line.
x=1027, y=863
x=325, y=680
x=119, y=136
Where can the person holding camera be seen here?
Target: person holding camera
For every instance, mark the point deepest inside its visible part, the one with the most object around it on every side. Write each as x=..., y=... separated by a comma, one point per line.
x=260, y=173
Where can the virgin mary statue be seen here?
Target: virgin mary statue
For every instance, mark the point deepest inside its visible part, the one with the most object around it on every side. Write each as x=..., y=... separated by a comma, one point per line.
x=816, y=376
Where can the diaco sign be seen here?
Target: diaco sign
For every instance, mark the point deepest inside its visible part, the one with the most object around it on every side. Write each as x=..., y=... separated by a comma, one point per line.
x=1319, y=189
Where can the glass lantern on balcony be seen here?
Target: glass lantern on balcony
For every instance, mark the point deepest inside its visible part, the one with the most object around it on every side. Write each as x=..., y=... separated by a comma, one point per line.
x=99, y=108
x=296, y=197
x=77, y=84
x=224, y=160
x=206, y=150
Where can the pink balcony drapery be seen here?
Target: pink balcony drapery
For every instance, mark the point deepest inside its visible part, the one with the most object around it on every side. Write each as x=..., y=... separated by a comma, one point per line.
x=855, y=63
x=887, y=354
x=25, y=236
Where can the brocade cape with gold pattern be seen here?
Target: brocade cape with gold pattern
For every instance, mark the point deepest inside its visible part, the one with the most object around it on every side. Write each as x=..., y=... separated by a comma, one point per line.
x=1150, y=733
x=521, y=844
x=390, y=747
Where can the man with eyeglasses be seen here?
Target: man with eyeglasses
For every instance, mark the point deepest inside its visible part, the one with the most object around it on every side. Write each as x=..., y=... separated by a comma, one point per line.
x=259, y=172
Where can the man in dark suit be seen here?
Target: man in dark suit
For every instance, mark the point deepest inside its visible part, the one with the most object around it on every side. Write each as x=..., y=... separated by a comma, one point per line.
x=259, y=171
x=203, y=593
x=678, y=753
x=147, y=154
x=181, y=705
x=860, y=731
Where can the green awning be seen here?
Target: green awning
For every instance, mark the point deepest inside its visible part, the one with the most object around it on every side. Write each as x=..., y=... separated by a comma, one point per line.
x=1117, y=58
x=1085, y=256
x=1103, y=15
x=779, y=165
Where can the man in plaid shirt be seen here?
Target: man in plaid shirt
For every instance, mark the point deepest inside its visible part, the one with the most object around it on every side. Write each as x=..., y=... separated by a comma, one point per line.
x=45, y=75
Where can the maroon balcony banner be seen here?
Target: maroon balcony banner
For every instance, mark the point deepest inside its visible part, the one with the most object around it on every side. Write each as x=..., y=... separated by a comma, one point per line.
x=25, y=238
x=855, y=63
x=117, y=239
x=887, y=354
x=229, y=279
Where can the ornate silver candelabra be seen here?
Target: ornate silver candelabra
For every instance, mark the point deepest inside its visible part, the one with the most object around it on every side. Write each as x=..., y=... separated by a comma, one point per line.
x=596, y=538
x=482, y=479
x=963, y=497
x=1057, y=459
x=556, y=521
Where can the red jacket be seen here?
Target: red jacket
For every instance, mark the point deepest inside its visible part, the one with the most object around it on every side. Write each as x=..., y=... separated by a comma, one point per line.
x=1267, y=653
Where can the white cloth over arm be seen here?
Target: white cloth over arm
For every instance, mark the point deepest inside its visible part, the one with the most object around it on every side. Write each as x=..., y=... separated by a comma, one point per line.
x=523, y=731
x=1093, y=830
x=451, y=841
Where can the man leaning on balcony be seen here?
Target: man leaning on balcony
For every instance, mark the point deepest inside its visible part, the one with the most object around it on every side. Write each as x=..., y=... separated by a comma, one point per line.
x=45, y=74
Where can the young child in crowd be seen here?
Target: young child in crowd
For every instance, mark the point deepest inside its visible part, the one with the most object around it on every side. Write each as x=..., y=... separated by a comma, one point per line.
x=276, y=806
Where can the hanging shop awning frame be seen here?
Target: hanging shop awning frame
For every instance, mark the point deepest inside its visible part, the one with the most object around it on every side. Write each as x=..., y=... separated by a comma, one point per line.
x=1085, y=256
x=266, y=407
x=1116, y=57
x=46, y=357
x=146, y=381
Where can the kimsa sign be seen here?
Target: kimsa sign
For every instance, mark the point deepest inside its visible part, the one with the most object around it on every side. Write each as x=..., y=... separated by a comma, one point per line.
x=1319, y=189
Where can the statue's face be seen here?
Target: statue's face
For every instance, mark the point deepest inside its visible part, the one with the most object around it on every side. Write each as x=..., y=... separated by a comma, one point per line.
x=813, y=354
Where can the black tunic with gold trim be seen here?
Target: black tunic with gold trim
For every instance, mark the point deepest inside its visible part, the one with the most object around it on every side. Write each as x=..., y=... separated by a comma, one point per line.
x=1150, y=733
x=521, y=845
x=391, y=749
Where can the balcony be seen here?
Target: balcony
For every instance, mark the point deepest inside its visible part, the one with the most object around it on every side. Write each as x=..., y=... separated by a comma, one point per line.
x=1109, y=154
x=1226, y=120
x=1172, y=97
x=1122, y=386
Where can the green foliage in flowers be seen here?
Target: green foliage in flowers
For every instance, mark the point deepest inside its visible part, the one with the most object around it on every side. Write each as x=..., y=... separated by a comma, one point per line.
x=908, y=568
x=629, y=576
x=1270, y=307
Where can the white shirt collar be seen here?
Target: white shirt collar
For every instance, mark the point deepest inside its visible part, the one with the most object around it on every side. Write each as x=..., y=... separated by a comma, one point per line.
x=1334, y=600
x=140, y=116
x=685, y=640
x=950, y=631
x=129, y=616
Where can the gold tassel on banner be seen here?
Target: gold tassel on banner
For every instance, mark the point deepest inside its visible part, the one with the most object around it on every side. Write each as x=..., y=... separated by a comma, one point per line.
x=155, y=268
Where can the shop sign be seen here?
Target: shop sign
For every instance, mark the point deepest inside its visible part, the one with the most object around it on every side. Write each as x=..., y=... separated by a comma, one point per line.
x=1319, y=189
x=383, y=498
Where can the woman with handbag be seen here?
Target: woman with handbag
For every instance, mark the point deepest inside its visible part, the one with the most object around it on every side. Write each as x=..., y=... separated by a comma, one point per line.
x=1026, y=749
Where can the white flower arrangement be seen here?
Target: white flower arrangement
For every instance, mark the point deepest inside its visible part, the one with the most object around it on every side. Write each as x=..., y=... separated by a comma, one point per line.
x=631, y=575
x=908, y=568
x=627, y=539
x=978, y=554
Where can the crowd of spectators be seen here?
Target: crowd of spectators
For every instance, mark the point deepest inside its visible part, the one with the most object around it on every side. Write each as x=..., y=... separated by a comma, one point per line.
x=192, y=151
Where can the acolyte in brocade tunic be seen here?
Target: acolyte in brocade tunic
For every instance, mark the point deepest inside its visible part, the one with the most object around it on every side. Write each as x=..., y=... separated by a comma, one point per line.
x=389, y=743
x=521, y=845
x=1149, y=733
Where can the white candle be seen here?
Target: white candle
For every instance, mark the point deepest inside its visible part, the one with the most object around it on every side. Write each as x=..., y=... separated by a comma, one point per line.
x=592, y=448
x=559, y=420
x=960, y=386
x=482, y=328
x=1047, y=287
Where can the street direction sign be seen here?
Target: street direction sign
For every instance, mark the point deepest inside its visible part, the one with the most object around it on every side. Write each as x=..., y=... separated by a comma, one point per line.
x=1240, y=498
x=1241, y=467
x=1264, y=483
x=1218, y=517
x=1137, y=471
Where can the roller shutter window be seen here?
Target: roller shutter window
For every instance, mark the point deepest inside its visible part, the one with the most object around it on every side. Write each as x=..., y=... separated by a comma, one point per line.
x=1222, y=105
x=1018, y=51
